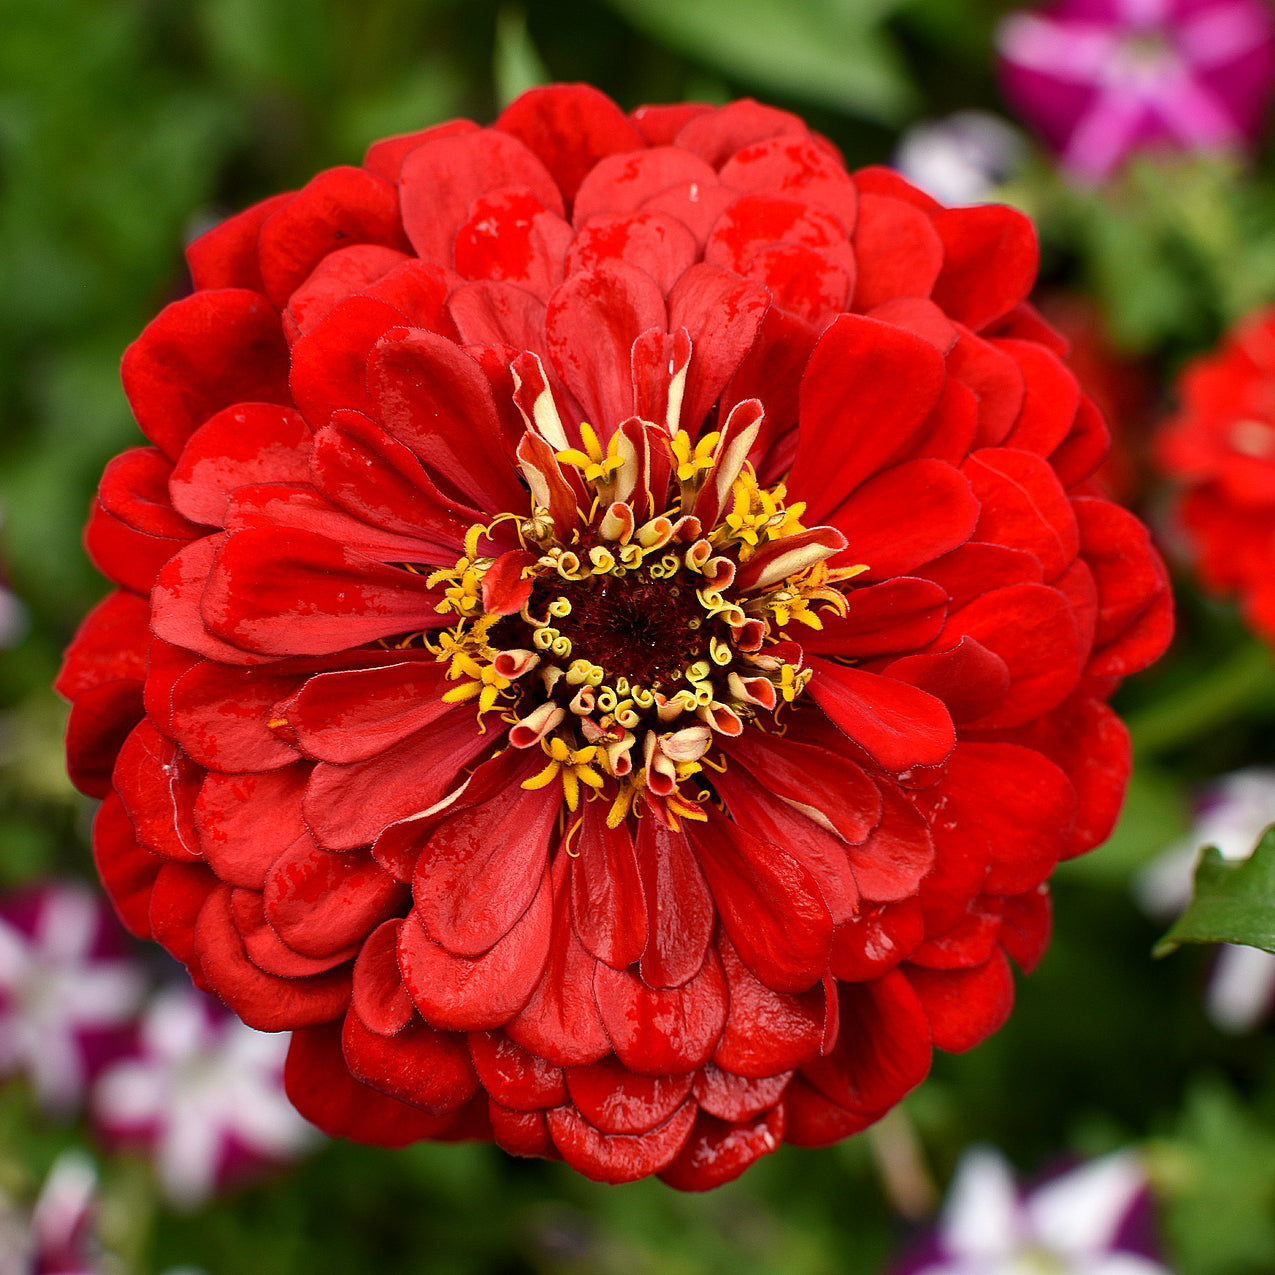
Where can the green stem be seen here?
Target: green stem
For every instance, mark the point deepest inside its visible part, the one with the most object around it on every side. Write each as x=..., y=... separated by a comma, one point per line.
x=1237, y=688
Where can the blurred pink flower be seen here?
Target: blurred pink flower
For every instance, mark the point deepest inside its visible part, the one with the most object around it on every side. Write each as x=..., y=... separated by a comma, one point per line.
x=1089, y=1220
x=55, y=1235
x=1100, y=79
x=203, y=1097
x=68, y=990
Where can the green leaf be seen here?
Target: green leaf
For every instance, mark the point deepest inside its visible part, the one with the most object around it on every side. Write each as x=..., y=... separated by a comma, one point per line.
x=1233, y=901
x=828, y=51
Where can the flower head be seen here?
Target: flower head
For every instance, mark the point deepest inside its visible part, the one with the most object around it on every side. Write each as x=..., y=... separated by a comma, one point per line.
x=1086, y=1221
x=203, y=1095
x=1101, y=79
x=68, y=990
x=1220, y=449
x=611, y=635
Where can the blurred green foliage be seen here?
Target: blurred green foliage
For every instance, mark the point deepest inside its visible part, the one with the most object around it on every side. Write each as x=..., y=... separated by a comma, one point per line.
x=128, y=125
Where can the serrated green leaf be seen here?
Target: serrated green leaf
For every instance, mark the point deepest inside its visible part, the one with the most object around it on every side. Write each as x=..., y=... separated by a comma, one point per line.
x=824, y=51
x=1233, y=901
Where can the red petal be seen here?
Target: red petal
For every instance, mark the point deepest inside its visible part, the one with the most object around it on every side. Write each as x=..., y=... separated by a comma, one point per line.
x=329, y=363
x=267, y=951
x=882, y=1051
x=101, y=719
x=109, y=645
x=803, y=280
x=377, y=995
x=794, y=166
x=570, y=128
x=514, y=1077
x=442, y=177
x=221, y=717
x=1033, y=629
x=899, y=253
x=1011, y=805
x=320, y=1086
x=158, y=784
x=731, y=1097
x=560, y=1022
x=614, y=1100
x=352, y=805
x=246, y=822
x=679, y=908
x=990, y=260
x=177, y=898
x=621, y=1157
x=320, y=902
x=522, y=1133
x=226, y=255
x=493, y=313
x=722, y=314
x=861, y=373
x=724, y=131
x=821, y=852
x=246, y=443
x=897, y=725
x=480, y=869
x=429, y=1069
x=339, y=207
x=718, y=1152
x=811, y=1120
x=433, y=397
x=768, y=903
x=261, y=1000
x=354, y=714
x=895, y=615
x=623, y=183
x=662, y=1032
x=344, y=273
x=607, y=903
x=653, y=242
x=358, y=466
x=968, y=678
x=201, y=354
x=473, y=995
x=877, y=940
x=1024, y=506
x=292, y=592
x=1025, y=927
x=942, y=513
x=591, y=324
x=766, y=1032
x=892, y=861
x=127, y=870
x=754, y=222
x=965, y=1006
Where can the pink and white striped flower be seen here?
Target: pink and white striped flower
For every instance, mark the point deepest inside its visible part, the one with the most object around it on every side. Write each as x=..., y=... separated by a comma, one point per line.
x=1089, y=1220
x=68, y=990
x=1100, y=79
x=203, y=1097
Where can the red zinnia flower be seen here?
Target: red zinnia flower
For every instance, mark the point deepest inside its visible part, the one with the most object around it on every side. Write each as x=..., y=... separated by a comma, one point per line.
x=1221, y=448
x=612, y=634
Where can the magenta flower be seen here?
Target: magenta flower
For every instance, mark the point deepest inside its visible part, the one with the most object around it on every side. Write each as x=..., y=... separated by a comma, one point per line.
x=55, y=1236
x=1101, y=79
x=203, y=1097
x=68, y=990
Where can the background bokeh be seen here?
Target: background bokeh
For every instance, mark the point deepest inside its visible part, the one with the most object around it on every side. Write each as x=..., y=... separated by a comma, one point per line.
x=127, y=126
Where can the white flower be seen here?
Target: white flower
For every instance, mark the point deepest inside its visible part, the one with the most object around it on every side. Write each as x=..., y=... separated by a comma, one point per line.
x=1068, y=1226
x=1234, y=813
x=961, y=158
x=57, y=985
x=204, y=1093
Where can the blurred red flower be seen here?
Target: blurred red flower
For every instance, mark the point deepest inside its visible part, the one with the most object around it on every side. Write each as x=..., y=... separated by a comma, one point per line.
x=1220, y=448
x=612, y=634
